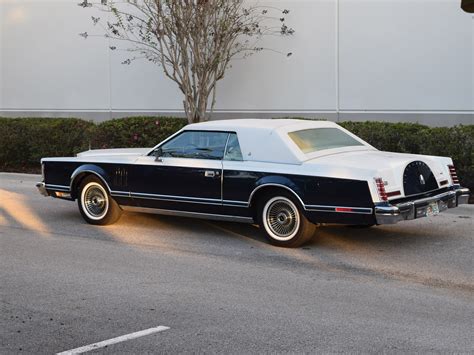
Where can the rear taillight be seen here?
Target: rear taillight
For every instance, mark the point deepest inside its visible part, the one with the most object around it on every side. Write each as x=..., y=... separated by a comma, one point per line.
x=454, y=175
x=381, y=189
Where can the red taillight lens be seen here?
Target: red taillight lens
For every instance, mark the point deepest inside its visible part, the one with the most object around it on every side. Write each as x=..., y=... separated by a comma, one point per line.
x=381, y=189
x=343, y=209
x=454, y=175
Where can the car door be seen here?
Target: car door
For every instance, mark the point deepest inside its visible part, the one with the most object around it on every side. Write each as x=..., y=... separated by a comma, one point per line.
x=182, y=174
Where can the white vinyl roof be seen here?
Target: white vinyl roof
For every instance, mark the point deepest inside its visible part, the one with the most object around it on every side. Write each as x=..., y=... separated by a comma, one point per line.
x=265, y=124
x=266, y=140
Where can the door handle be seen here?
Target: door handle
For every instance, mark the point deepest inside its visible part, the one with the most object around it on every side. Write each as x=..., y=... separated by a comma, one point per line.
x=211, y=173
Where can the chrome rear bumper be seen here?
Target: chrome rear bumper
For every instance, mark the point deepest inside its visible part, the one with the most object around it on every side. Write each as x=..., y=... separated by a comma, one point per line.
x=390, y=214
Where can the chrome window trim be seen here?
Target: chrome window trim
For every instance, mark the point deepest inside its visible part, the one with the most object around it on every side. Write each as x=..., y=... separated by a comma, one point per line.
x=163, y=142
x=222, y=167
x=184, y=131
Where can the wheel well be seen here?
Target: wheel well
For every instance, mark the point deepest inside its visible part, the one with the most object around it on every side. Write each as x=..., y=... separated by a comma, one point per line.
x=80, y=177
x=271, y=190
x=77, y=182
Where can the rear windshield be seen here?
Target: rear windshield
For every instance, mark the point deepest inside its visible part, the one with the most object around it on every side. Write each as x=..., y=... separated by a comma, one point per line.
x=316, y=139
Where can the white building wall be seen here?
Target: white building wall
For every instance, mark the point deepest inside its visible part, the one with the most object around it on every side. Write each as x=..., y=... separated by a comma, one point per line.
x=398, y=60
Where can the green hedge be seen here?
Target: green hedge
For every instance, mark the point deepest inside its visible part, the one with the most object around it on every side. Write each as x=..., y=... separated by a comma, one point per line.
x=24, y=141
x=135, y=132
x=455, y=142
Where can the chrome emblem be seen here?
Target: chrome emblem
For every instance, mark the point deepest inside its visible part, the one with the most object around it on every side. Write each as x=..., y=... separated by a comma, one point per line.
x=422, y=180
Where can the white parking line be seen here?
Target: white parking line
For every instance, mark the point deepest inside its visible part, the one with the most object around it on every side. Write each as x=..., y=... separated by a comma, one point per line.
x=119, y=339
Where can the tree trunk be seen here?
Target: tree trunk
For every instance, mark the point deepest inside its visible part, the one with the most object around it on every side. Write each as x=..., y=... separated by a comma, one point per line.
x=196, y=110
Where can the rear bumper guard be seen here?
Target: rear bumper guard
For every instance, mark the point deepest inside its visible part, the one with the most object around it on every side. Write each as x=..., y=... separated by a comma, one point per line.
x=391, y=214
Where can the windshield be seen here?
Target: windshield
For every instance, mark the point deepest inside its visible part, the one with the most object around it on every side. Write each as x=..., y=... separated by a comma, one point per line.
x=316, y=139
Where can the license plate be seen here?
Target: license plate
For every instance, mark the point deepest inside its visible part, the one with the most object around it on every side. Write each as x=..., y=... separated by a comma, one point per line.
x=432, y=209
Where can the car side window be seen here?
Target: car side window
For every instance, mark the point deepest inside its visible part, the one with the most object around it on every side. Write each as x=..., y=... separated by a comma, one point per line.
x=196, y=145
x=233, y=151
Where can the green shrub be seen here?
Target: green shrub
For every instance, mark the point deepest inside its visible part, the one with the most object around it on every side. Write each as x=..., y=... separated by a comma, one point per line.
x=391, y=137
x=24, y=141
x=136, y=132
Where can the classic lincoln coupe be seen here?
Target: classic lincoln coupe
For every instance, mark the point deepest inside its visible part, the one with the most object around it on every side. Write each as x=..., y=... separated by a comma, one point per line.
x=287, y=176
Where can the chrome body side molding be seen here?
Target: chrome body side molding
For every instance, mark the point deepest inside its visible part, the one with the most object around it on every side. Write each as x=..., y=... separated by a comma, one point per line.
x=57, y=187
x=216, y=217
x=338, y=209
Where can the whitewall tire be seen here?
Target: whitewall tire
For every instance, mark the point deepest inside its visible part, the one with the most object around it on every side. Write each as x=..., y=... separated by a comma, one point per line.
x=95, y=204
x=282, y=220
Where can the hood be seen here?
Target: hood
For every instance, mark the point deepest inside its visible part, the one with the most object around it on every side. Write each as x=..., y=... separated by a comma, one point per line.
x=120, y=152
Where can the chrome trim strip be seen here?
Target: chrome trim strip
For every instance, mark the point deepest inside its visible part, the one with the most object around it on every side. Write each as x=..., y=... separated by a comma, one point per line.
x=177, y=200
x=231, y=205
x=120, y=193
x=217, y=217
x=227, y=203
x=323, y=208
x=61, y=188
x=232, y=202
x=207, y=201
x=175, y=197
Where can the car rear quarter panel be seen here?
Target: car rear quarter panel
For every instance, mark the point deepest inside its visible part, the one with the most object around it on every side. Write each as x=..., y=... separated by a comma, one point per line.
x=311, y=190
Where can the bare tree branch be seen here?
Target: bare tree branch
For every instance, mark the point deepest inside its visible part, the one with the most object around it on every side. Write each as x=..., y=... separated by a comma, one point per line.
x=194, y=41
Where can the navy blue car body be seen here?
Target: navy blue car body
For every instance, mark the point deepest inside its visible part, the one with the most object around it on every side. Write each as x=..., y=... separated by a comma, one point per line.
x=236, y=170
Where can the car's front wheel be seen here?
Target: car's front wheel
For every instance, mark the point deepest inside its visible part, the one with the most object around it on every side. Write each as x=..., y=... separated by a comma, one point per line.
x=95, y=204
x=282, y=221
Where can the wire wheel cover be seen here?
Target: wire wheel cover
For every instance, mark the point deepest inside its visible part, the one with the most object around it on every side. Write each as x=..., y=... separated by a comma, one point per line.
x=282, y=218
x=95, y=201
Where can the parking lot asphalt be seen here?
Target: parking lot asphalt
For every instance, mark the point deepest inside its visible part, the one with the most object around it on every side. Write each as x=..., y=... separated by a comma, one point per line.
x=220, y=288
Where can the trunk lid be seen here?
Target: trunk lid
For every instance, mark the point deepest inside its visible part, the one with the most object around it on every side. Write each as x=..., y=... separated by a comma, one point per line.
x=408, y=174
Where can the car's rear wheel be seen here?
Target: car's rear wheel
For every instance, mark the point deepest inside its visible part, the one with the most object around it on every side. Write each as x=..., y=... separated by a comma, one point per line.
x=282, y=221
x=95, y=204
